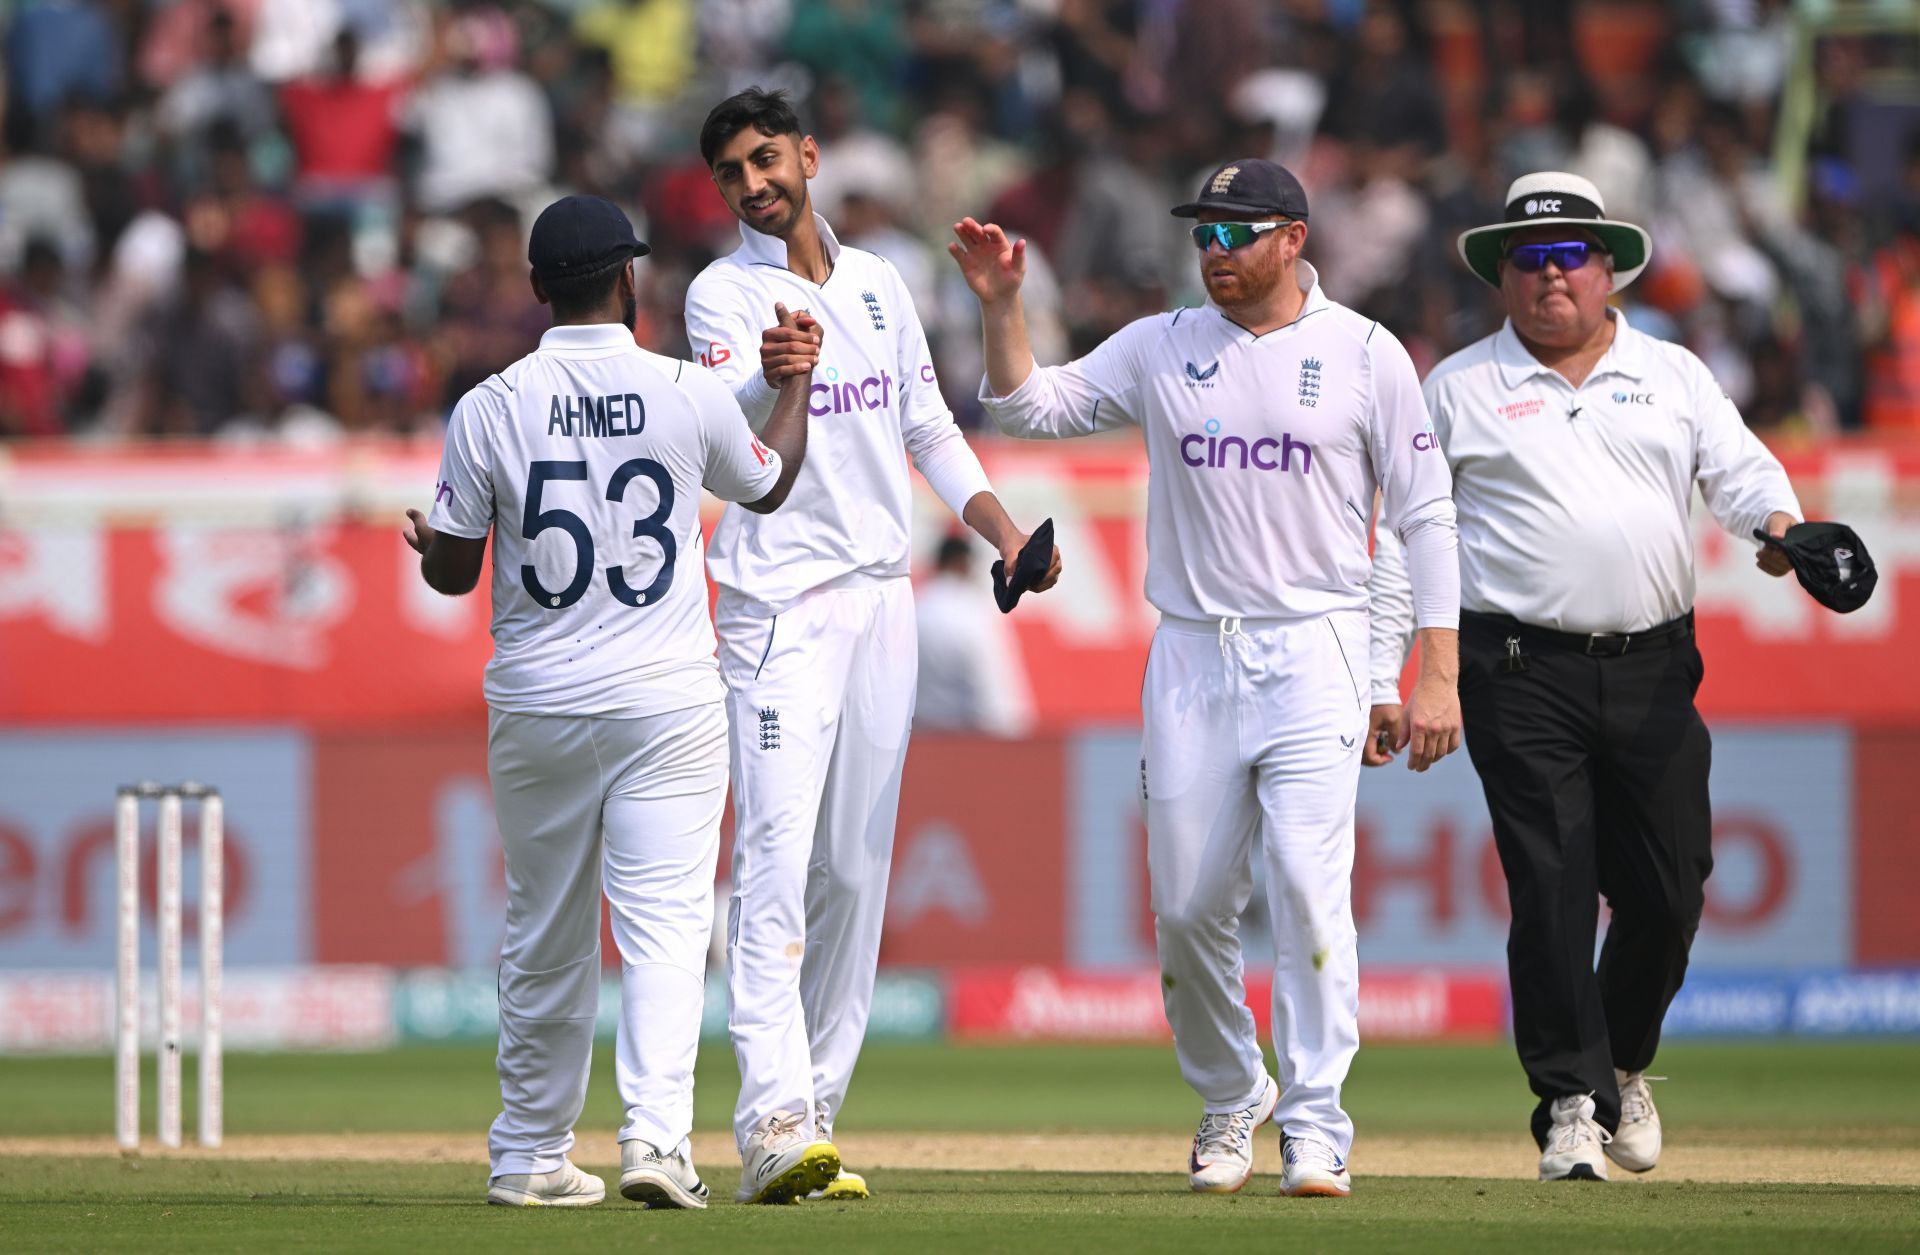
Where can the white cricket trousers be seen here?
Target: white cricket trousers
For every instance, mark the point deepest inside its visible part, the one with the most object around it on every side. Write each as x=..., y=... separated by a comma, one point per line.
x=821, y=700
x=1252, y=734
x=631, y=805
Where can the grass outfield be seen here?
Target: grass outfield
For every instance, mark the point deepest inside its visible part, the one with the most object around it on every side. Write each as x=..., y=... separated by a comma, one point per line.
x=1748, y=1093
x=1393, y=1089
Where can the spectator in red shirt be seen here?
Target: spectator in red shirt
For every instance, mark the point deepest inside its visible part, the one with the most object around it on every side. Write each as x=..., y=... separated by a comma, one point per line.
x=344, y=131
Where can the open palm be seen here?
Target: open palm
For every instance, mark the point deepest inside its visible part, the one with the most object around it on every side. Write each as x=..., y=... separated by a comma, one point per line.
x=992, y=264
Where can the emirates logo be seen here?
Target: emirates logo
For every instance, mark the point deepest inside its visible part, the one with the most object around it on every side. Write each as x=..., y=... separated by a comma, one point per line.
x=1223, y=180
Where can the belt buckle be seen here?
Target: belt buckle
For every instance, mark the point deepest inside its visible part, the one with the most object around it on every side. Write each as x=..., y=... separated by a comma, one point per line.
x=1593, y=638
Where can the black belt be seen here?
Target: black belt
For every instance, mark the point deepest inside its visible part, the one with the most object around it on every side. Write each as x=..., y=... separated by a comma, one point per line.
x=1593, y=644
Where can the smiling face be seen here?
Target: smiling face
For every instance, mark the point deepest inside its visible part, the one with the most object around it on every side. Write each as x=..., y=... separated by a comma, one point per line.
x=1247, y=277
x=763, y=178
x=1551, y=306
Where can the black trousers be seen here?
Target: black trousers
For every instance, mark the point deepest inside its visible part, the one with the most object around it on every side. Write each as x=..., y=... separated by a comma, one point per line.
x=1595, y=772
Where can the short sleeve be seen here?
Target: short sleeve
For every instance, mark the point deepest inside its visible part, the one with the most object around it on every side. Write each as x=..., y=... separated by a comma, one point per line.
x=737, y=467
x=463, y=497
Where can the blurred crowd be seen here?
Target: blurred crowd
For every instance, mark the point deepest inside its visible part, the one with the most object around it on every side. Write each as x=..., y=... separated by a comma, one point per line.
x=303, y=217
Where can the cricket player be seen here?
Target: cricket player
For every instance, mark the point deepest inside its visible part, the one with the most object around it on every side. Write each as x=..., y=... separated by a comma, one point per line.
x=606, y=738
x=817, y=640
x=1271, y=415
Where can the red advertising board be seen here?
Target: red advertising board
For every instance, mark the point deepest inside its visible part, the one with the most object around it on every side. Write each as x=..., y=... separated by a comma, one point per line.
x=1039, y=1003
x=200, y=584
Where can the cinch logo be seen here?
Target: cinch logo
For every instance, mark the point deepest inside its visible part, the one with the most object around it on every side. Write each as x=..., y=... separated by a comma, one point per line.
x=444, y=490
x=1550, y=205
x=1633, y=398
x=1216, y=452
x=1426, y=441
x=1201, y=378
x=875, y=392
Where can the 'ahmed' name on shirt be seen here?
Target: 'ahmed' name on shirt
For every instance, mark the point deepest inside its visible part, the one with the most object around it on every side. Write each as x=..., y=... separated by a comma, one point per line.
x=621, y=415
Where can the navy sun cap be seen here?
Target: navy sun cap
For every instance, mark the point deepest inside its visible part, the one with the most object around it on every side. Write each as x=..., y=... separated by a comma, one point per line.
x=1249, y=186
x=577, y=235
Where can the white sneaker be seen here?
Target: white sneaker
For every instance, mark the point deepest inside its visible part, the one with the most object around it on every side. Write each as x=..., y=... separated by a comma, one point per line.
x=659, y=1181
x=566, y=1186
x=848, y=1185
x=1222, y=1157
x=783, y=1162
x=1312, y=1168
x=1636, y=1143
x=1574, y=1143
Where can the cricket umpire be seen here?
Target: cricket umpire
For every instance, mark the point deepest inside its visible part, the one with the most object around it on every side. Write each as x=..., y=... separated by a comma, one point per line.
x=1575, y=443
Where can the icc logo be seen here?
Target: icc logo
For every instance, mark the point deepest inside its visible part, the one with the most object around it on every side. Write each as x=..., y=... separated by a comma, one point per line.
x=1550, y=205
x=1635, y=398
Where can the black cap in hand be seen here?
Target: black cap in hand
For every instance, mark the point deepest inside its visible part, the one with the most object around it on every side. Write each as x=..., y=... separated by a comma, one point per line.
x=1030, y=566
x=1830, y=561
x=577, y=235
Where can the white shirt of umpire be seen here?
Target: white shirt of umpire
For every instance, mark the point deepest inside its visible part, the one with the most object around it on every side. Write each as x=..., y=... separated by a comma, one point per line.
x=821, y=686
x=1264, y=455
x=1575, y=503
x=585, y=460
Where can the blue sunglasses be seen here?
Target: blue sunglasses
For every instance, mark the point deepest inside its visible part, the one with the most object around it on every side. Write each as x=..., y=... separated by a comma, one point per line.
x=1567, y=255
x=1231, y=235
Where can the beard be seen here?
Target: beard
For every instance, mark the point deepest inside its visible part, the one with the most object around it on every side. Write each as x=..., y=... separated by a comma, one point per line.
x=1255, y=281
x=780, y=223
x=629, y=310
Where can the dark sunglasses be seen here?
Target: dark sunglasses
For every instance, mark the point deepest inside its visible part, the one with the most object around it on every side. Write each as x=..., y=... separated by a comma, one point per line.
x=1232, y=235
x=1568, y=255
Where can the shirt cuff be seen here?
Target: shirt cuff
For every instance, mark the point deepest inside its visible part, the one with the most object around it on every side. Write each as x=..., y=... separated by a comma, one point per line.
x=1433, y=560
x=1018, y=399
x=954, y=473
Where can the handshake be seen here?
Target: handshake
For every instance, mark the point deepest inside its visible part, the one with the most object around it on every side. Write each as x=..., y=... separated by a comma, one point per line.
x=790, y=349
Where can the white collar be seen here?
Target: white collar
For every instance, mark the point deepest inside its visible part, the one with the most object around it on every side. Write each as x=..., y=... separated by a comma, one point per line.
x=1308, y=280
x=579, y=337
x=771, y=250
x=1627, y=355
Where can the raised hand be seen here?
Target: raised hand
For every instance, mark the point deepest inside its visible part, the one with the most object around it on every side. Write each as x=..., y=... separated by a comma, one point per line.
x=791, y=347
x=993, y=265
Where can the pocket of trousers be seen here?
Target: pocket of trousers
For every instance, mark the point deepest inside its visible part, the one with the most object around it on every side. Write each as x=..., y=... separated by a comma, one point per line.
x=1353, y=681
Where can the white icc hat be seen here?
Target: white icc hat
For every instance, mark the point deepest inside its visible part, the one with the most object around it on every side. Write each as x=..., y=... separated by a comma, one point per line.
x=1546, y=199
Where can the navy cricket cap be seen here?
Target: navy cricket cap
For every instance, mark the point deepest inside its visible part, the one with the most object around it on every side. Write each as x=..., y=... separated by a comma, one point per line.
x=1830, y=561
x=1249, y=186
x=577, y=235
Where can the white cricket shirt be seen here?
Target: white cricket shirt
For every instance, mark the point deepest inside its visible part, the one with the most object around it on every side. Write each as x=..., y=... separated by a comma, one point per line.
x=586, y=459
x=1263, y=456
x=1574, y=502
x=875, y=400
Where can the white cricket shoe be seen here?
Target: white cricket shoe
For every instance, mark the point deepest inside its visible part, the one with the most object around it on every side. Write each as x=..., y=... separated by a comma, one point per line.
x=1574, y=1142
x=566, y=1186
x=1311, y=1168
x=784, y=1162
x=846, y=1186
x=1636, y=1143
x=660, y=1181
x=1222, y=1157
